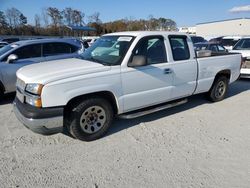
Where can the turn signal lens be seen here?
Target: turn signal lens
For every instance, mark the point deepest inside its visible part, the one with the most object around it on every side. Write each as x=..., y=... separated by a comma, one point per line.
x=34, y=101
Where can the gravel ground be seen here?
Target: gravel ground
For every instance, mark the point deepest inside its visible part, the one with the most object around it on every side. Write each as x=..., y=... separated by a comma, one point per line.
x=199, y=144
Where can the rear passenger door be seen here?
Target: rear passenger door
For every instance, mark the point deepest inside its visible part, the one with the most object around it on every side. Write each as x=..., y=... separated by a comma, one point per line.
x=183, y=66
x=58, y=50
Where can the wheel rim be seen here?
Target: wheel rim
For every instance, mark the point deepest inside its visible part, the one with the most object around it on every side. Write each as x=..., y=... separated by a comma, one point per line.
x=92, y=119
x=220, y=89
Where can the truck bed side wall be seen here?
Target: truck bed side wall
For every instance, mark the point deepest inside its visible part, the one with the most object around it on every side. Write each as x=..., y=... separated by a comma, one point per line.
x=209, y=67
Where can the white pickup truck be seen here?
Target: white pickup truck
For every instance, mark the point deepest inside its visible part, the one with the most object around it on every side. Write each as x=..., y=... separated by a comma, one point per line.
x=127, y=74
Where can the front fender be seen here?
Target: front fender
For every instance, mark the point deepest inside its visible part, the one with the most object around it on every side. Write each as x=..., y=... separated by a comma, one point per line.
x=61, y=94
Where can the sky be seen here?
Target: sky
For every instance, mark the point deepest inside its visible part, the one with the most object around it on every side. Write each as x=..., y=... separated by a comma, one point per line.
x=183, y=12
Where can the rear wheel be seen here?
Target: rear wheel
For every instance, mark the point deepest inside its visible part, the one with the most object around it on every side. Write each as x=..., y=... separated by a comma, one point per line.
x=91, y=119
x=219, y=89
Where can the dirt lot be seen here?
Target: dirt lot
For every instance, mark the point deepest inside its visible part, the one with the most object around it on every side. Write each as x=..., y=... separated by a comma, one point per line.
x=199, y=144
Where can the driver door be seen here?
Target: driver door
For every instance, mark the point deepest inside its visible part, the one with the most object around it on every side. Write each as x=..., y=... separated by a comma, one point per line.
x=27, y=55
x=151, y=84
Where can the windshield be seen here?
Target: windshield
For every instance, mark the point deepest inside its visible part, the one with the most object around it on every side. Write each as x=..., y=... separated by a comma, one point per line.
x=243, y=44
x=5, y=49
x=229, y=42
x=108, y=50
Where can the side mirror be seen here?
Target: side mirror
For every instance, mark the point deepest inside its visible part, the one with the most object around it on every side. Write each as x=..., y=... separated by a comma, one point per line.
x=138, y=61
x=12, y=58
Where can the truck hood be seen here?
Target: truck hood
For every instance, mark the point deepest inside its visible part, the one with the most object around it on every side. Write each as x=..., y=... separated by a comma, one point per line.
x=50, y=71
x=244, y=53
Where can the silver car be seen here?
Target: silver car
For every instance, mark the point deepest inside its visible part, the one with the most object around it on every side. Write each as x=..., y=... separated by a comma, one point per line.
x=22, y=53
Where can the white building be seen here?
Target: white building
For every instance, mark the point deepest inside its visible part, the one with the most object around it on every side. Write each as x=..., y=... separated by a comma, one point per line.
x=189, y=30
x=232, y=27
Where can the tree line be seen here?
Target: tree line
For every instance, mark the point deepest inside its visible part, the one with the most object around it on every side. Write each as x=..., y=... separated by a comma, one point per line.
x=53, y=22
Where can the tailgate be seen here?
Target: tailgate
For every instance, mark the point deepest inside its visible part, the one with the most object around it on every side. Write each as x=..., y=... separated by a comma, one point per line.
x=246, y=64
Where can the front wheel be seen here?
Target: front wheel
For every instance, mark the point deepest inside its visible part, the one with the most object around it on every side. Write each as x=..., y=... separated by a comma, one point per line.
x=219, y=89
x=91, y=119
x=1, y=94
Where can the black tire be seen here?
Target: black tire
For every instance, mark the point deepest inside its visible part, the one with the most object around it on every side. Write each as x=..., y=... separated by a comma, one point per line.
x=219, y=89
x=76, y=127
x=1, y=93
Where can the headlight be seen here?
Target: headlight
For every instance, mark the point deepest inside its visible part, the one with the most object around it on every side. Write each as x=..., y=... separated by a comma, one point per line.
x=34, y=88
x=33, y=94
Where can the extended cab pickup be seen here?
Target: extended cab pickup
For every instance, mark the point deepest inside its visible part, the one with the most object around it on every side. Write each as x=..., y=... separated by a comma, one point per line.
x=127, y=74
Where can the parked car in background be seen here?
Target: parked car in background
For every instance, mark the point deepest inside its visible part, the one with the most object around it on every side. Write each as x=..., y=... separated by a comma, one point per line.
x=197, y=39
x=2, y=44
x=88, y=41
x=214, y=47
x=22, y=53
x=10, y=40
x=229, y=41
x=243, y=47
x=126, y=74
x=216, y=40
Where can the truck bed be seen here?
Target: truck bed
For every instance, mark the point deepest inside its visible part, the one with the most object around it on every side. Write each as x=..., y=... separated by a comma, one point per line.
x=209, y=66
x=213, y=54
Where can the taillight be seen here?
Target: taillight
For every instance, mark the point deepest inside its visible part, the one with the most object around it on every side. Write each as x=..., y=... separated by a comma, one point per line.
x=243, y=61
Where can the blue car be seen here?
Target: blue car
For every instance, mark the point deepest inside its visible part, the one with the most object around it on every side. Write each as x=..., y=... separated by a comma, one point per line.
x=22, y=53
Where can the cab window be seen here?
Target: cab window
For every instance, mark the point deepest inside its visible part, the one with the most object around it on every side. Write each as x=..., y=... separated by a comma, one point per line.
x=213, y=48
x=57, y=48
x=221, y=48
x=153, y=48
x=29, y=51
x=179, y=47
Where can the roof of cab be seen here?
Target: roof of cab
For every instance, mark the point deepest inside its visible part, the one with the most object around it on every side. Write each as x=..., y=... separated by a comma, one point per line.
x=144, y=33
x=38, y=41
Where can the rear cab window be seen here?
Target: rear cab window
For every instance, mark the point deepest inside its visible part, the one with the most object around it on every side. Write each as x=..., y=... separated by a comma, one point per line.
x=179, y=47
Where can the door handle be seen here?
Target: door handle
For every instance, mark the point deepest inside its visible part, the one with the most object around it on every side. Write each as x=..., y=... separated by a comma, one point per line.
x=168, y=71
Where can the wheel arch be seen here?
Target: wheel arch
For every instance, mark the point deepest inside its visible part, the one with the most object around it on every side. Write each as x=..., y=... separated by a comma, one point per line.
x=225, y=72
x=109, y=96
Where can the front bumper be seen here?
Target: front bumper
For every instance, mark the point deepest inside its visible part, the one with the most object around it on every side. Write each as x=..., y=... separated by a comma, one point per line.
x=42, y=121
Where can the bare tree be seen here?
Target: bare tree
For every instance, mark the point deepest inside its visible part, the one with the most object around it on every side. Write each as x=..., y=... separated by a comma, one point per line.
x=3, y=22
x=77, y=17
x=13, y=17
x=45, y=17
x=73, y=16
x=22, y=19
x=68, y=15
x=95, y=18
x=37, y=20
x=55, y=15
